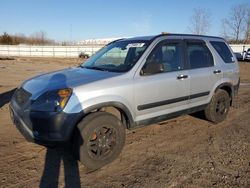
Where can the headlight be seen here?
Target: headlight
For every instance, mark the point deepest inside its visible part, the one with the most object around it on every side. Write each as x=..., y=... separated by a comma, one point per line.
x=52, y=101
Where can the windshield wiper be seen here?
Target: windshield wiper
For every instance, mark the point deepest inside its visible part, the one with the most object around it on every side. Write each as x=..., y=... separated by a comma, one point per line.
x=95, y=68
x=81, y=66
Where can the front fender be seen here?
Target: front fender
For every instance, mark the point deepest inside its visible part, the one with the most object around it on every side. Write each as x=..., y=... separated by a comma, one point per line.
x=84, y=107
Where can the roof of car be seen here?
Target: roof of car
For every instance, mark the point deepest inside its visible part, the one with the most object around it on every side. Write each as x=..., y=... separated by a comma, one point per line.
x=152, y=37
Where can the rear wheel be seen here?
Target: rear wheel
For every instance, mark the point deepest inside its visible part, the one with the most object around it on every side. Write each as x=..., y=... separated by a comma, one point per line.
x=100, y=140
x=218, y=107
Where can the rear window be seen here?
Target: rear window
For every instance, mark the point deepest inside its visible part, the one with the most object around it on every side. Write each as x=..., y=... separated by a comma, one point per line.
x=199, y=55
x=223, y=51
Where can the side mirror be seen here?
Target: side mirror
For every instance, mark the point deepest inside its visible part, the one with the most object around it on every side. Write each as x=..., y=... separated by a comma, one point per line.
x=152, y=68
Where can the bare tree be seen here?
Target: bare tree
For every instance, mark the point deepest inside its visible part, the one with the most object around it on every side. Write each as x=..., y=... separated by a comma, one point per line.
x=200, y=21
x=39, y=37
x=235, y=24
x=247, y=33
x=6, y=39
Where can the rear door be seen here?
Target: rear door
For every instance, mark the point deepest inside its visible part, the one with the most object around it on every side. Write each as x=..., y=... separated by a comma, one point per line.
x=203, y=71
x=230, y=66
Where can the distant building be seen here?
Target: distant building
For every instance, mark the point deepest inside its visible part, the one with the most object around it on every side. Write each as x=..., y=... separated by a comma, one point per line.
x=97, y=41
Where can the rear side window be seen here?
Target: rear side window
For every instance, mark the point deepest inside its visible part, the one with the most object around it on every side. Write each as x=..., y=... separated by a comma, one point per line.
x=223, y=51
x=199, y=55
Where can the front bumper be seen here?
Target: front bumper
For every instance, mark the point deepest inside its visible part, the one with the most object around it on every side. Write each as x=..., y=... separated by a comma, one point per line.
x=44, y=128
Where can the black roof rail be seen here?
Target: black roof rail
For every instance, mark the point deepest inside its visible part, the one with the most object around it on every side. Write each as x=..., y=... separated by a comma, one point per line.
x=172, y=34
x=185, y=35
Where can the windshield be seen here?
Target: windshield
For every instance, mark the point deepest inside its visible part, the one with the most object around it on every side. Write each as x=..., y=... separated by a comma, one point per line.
x=119, y=56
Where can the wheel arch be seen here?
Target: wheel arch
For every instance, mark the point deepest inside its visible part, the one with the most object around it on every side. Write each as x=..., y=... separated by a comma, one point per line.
x=228, y=87
x=126, y=116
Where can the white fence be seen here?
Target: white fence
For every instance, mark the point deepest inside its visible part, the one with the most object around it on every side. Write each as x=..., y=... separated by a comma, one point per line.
x=239, y=47
x=68, y=51
x=47, y=51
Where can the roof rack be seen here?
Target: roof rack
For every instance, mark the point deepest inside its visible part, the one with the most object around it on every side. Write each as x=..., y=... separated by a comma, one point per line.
x=186, y=35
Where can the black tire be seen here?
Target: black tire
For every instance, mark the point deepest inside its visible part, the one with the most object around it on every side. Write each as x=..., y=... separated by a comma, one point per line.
x=218, y=107
x=98, y=140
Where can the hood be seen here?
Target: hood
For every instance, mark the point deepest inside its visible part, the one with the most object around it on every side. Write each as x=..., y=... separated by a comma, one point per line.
x=67, y=78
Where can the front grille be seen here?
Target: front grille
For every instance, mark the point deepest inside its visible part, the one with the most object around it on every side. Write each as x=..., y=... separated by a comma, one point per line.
x=21, y=96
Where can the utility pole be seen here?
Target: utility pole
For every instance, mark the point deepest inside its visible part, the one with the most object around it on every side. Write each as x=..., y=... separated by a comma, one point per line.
x=70, y=34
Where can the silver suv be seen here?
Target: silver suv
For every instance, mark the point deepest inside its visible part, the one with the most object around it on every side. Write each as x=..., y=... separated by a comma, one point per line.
x=127, y=84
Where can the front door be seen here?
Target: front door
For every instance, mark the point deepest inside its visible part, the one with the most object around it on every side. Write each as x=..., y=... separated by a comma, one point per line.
x=165, y=91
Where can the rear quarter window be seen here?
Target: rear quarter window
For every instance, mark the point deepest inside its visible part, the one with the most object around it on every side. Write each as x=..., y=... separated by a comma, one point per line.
x=223, y=50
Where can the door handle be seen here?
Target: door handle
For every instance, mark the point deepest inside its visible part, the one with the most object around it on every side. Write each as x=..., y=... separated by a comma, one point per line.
x=217, y=71
x=182, y=77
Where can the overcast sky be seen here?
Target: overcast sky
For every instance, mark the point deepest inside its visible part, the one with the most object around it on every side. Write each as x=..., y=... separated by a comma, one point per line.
x=76, y=20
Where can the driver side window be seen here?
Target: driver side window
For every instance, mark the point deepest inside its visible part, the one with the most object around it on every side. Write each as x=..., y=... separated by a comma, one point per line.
x=167, y=57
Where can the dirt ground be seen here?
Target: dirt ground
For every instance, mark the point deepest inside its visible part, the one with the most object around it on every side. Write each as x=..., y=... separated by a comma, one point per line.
x=182, y=152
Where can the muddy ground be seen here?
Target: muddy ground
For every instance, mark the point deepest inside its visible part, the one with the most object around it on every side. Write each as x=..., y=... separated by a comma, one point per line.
x=182, y=152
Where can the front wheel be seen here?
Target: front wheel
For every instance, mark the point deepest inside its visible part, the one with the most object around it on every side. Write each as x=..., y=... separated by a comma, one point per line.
x=100, y=140
x=218, y=107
